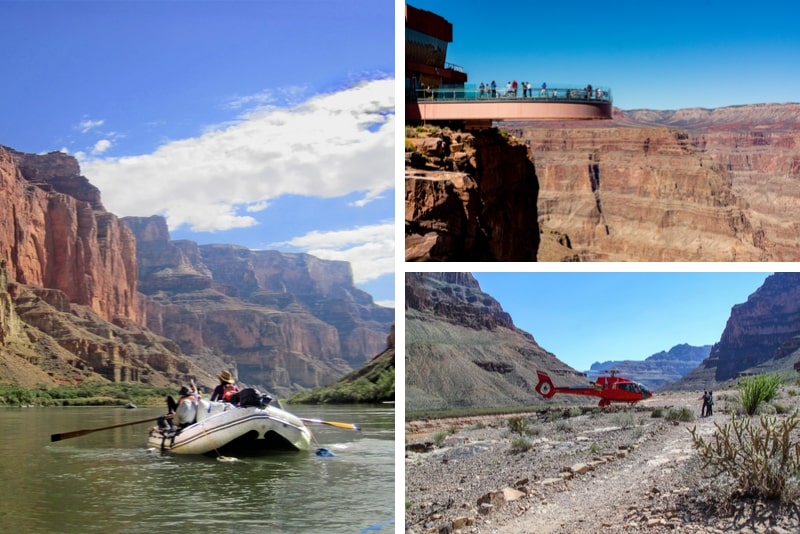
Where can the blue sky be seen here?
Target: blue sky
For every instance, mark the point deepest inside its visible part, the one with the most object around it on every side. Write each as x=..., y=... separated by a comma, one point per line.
x=268, y=124
x=584, y=317
x=655, y=55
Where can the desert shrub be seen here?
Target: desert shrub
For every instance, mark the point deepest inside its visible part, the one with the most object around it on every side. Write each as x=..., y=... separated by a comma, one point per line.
x=594, y=448
x=757, y=389
x=761, y=459
x=410, y=146
x=518, y=425
x=520, y=445
x=534, y=430
x=573, y=412
x=563, y=425
x=780, y=408
x=623, y=420
x=438, y=437
x=792, y=392
x=680, y=413
x=766, y=409
x=657, y=412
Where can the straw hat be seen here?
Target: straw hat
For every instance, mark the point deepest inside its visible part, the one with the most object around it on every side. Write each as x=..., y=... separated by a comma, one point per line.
x=225, y=376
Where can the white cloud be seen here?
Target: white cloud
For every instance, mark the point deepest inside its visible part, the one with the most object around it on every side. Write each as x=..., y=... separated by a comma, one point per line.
x=329, y=146
x=87, y=124
x=289, y=95
x=101, y=146
x=369, y=249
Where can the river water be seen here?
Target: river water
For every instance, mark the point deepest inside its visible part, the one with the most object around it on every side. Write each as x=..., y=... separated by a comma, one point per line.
x=110, y=482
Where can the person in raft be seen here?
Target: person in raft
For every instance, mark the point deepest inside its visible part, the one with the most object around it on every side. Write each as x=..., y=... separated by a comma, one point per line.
x=184, y=411
x=226, y=388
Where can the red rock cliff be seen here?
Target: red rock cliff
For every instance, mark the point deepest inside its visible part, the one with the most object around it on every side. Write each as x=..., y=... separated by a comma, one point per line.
x=55, y=233
x=469, y=198
x=685, y=185
x=283, y=320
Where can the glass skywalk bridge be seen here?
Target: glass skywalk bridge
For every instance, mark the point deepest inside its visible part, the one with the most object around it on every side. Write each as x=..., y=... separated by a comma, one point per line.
x=479, y=108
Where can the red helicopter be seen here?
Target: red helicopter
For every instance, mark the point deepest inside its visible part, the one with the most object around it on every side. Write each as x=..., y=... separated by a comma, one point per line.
x=609, y=388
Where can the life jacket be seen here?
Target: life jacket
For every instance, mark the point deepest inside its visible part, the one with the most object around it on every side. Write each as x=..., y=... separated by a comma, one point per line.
x=227, y=392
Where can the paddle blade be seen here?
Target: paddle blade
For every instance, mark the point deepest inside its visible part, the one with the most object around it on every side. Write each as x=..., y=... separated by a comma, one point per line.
x=348, y=426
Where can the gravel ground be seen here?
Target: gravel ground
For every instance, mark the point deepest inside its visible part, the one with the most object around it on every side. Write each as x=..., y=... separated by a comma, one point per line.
x=576, y=471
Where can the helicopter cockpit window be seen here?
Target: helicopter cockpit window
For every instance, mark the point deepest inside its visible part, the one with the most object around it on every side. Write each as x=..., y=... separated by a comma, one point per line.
x=633, y=388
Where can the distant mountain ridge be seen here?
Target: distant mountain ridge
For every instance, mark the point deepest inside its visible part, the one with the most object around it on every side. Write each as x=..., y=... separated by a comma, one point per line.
x=657, y=370
x=770, y=117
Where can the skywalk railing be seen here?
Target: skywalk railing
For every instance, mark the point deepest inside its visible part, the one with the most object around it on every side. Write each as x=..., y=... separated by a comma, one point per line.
x=549, y=94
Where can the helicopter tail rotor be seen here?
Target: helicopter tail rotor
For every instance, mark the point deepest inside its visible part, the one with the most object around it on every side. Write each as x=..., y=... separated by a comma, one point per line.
x=545, y=386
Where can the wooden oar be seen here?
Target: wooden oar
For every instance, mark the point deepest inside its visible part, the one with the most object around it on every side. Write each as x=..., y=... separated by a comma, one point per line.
x=76, y=433
x=349, y=426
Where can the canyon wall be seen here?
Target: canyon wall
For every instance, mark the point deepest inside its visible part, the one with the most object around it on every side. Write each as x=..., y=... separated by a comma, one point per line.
x=69, y=307
x=686, y=185
x=55, y=233
x=284, y=321
x=761, y=335
x=469, y=197
x=85, y=296
x=463, y=350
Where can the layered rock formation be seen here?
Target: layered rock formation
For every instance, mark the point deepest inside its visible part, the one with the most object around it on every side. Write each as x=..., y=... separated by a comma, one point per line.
x=47, y=340
x=70, y=309
x=762, y=334
x=284, y=321
x=623, y=194
x=686, y=185
x=463, y=350
x=469, y=197
x=55, y=233
x=657, y=370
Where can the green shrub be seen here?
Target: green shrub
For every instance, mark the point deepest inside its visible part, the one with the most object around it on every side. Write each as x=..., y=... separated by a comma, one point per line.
x=780, y=408
x=623, y=419
x=438, y=437
x=563, y=425
x=680, y=413
x=534, y=430
x=762, y=459
x=758, y=389
x=520, y=445
x=657, y=412
x=518, y=425
x=573, y=412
